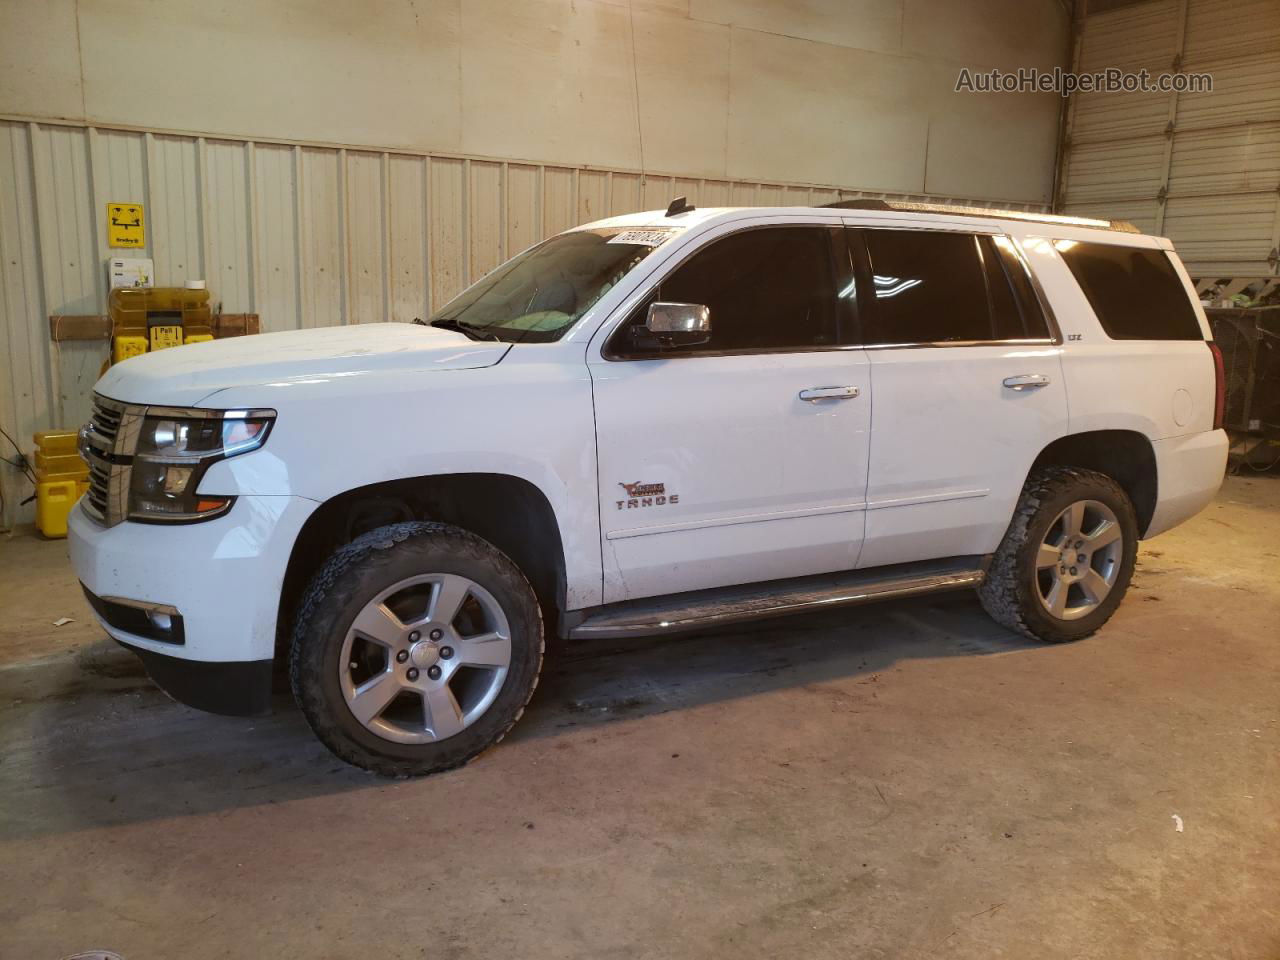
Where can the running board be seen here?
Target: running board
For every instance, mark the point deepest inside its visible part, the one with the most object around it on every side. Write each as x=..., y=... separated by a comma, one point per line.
x=701, y=609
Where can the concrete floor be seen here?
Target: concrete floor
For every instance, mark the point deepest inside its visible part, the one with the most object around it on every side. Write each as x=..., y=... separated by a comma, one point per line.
x=904, y=780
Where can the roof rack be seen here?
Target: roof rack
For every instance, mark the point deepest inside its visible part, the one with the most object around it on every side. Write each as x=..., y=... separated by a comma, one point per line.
x=908, y=206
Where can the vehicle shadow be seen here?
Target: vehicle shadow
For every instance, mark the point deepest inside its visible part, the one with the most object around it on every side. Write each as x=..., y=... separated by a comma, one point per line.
x=89, y=742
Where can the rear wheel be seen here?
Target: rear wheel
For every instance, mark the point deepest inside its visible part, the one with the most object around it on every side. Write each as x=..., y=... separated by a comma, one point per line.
x=417, y=646
x=1067, y=557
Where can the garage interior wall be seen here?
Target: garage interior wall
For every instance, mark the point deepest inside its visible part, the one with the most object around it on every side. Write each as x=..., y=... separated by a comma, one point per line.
x=1200, y=168
x=322, y=163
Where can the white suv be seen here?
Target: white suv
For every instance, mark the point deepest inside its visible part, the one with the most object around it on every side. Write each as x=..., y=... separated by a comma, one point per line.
x=658, y=422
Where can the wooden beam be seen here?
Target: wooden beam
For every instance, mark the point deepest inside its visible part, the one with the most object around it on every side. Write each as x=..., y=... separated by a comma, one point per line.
x=62, y=327
x=96, y=327
x=236, y=325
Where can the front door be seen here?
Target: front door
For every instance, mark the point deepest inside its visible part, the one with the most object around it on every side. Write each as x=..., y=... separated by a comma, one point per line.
x=743, y=458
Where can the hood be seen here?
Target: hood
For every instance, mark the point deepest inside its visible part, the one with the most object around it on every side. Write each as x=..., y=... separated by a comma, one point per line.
x=184, y=376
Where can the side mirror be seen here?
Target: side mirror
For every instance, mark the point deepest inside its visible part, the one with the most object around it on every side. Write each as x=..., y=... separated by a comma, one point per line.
x=679, y=324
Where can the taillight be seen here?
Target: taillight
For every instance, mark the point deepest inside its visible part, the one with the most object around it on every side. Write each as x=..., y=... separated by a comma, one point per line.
x=1219, y=386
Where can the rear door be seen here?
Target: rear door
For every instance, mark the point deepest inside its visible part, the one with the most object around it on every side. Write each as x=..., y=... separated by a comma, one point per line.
x=968, y=388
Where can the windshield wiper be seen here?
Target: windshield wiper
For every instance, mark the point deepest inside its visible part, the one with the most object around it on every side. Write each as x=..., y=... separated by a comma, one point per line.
x=450, y=323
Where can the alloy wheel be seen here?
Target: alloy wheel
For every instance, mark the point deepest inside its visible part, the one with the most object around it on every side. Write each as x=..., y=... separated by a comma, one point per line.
x=425, y=658
x=1078, y=561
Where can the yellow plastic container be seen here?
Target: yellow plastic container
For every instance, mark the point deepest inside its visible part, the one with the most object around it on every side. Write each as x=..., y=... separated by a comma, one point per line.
x=62, y=478
x=58, y=457
x=56, y=442
x=54, y=500
x=154, y=318
x=61, y=466
x=127, y=345
x=198, y=337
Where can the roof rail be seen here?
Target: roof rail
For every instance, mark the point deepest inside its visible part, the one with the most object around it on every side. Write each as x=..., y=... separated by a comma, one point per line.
x=909, y=206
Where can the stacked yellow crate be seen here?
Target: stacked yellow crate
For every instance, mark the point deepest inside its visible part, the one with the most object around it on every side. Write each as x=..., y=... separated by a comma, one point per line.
x=62, y=478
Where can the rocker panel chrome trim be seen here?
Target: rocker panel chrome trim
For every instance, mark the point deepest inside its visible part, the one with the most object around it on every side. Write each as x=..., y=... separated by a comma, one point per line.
x=713, y=608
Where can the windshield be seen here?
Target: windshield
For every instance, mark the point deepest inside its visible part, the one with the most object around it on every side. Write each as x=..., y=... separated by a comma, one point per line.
x=540, y=294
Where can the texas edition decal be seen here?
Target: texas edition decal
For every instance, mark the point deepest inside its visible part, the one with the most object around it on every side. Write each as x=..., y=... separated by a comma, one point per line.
x=646, y=495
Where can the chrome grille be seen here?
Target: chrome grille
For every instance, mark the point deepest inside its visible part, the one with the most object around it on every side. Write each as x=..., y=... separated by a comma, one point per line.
x=107, y=443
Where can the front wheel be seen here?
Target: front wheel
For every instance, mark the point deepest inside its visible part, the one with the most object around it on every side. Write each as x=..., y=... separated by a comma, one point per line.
x=417, y=646
x=1066, y=560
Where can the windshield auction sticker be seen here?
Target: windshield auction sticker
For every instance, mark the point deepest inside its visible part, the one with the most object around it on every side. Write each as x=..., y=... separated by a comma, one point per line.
x=647, y=237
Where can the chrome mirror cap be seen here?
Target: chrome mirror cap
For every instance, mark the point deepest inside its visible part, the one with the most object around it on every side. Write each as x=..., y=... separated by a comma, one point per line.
x=679, y=323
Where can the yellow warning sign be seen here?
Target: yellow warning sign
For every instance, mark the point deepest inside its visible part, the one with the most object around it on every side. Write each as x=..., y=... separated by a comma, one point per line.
x=166, y=336
x=125, y=225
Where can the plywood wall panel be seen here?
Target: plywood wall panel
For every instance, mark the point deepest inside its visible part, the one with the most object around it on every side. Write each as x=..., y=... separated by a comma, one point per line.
x=407, y=208
x=447, y=210
x=367, y=240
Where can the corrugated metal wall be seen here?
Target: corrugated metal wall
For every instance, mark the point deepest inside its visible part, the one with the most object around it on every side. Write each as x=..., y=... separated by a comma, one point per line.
x=1200, y=168
x=304, y=235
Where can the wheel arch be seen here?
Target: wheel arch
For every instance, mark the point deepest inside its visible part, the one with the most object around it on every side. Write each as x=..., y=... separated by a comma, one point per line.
x=508, y=511
x=1126, y=456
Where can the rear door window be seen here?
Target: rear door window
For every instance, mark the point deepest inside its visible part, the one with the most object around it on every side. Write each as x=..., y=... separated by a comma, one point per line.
x=1136, y=293
x=1015, y=310
x=926, y=287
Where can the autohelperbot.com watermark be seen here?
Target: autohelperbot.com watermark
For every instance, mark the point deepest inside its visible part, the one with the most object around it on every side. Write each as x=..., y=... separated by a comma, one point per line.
x=1065, y=83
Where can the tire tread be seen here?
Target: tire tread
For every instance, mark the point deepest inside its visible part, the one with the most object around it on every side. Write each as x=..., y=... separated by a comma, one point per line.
x=335, y=584
x=1002, y=593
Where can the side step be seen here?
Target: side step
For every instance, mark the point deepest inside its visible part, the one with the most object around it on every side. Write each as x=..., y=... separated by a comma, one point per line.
x=701, y=609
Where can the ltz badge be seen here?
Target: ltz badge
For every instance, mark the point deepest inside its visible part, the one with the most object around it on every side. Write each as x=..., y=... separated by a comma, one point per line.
x=646, y=495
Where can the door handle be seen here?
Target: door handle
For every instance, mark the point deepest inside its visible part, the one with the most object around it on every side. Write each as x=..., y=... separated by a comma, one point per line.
x=1027, y=381
x=828, y=393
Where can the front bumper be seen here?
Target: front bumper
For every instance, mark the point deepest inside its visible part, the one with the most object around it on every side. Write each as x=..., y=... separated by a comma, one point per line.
x=234, y=688
x=223, y=577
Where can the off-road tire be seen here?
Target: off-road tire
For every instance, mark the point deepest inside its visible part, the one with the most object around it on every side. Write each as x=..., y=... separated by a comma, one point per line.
x=1009, y=593
x=355, y=574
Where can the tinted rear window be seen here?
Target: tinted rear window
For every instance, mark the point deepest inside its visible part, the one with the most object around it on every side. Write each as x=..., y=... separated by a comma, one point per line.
x=929, y=288
x=1136, y=294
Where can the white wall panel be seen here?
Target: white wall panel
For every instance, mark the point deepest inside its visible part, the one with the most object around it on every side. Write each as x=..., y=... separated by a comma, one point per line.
x=657, y=192
x=625, y=193
x=40, y=59
x=827, y=91
x=683, y=78
x=594, y=189
x=367, y=240
x=323, y=237
x=26, y=371
x=523, y=208
x=276, y=202
x=715, y=193
x=447, y=238
x=228, y=238
x=174, y=213
x=559, y=199
x=407, y=206
x=73, y=279
x=484, y=205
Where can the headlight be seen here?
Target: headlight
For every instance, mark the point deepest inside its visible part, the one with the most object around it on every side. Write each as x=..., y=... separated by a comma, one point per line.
x=175, y=449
